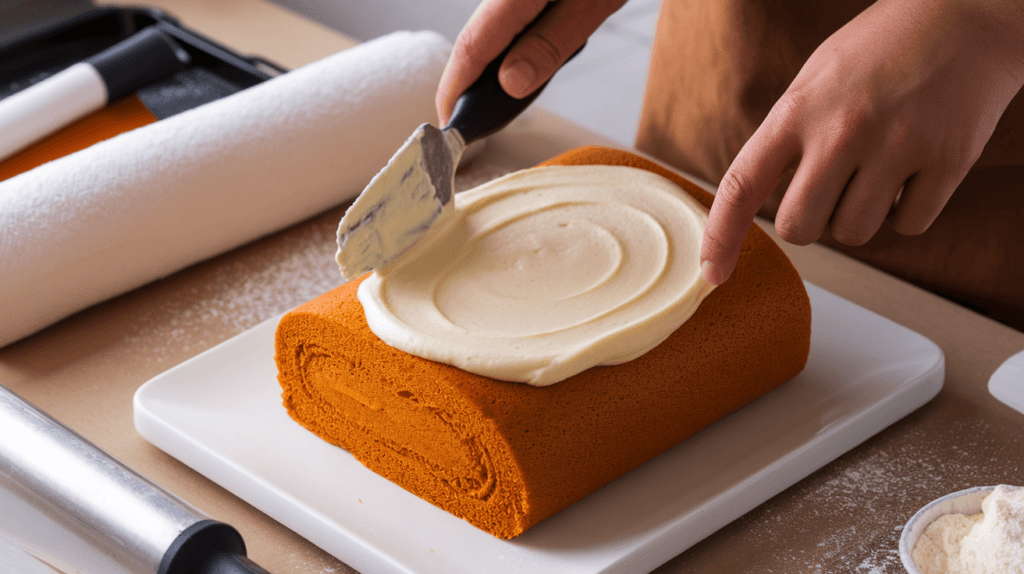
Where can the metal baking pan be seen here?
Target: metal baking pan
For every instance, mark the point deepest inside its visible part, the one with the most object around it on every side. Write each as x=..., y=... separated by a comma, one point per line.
x=215, y=71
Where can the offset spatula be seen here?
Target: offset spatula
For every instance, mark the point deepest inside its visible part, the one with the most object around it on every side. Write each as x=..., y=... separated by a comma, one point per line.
x=414, y=191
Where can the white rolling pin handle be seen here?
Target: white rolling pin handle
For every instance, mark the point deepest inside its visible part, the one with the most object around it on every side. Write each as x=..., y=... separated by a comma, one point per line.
x=41, y=109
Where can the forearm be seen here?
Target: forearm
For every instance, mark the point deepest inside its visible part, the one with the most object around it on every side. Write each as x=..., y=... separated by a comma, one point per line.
x=999, y=24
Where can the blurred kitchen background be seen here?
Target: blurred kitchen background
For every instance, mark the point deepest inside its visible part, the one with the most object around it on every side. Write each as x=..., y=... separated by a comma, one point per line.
x=601, y=89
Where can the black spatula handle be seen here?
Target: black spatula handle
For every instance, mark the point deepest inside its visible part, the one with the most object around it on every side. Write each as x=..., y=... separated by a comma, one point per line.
x=484, y=107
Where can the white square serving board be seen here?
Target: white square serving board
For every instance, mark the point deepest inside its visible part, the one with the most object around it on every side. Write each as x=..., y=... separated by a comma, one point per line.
x=221, y=414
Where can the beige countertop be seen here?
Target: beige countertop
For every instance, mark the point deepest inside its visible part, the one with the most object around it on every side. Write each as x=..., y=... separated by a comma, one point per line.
x=846, y=517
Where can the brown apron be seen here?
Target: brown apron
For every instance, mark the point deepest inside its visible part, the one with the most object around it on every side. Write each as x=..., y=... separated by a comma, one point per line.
x=717, y=68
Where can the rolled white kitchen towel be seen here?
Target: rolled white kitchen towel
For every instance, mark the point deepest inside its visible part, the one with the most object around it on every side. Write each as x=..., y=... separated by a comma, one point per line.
x=152, y=201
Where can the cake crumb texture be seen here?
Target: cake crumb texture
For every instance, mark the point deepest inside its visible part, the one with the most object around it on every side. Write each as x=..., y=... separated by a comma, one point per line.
x=505, y=456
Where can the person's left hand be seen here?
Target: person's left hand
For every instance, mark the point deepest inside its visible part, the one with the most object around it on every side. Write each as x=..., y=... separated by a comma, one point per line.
x=883, y=122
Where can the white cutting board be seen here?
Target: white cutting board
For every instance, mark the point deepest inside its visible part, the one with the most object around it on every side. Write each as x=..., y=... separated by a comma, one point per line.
x=221, y=414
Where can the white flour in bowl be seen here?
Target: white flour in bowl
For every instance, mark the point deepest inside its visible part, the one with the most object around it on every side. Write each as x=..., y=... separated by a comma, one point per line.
x=990, y=542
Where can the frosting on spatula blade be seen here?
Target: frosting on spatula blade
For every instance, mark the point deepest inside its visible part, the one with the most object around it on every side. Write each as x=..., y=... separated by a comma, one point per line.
x=399, y=206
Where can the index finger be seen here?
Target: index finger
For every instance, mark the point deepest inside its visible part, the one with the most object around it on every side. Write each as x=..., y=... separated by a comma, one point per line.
x=488, y=32
x=751, y=178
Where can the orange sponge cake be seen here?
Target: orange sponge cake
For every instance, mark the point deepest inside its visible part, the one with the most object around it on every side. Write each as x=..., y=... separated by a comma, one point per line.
x=504, y=455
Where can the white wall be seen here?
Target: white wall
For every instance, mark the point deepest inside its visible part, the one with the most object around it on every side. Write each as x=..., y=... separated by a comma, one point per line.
x=367, y=19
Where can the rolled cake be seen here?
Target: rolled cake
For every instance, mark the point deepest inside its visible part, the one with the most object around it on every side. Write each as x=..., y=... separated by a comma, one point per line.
x=505, y=455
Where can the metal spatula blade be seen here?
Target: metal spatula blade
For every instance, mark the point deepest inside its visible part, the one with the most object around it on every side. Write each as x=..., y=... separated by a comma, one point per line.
x=401, y=203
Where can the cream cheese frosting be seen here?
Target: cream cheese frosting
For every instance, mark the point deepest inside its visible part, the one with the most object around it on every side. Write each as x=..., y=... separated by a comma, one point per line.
x=544, y=273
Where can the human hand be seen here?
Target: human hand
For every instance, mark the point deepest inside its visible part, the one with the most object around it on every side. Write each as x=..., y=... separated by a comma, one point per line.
x=534, y=59
x=882, y=123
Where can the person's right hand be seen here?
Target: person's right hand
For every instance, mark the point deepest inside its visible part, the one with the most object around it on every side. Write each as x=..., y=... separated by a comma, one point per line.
x=534, y=59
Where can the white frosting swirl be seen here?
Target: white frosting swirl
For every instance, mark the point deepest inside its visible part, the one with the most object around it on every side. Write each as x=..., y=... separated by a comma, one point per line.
x=545, y=273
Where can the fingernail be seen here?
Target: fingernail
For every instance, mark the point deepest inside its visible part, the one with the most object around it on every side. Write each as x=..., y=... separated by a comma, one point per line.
x=519, y=78
x=710, y=272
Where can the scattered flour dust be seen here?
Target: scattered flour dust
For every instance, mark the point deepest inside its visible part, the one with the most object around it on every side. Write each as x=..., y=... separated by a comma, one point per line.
x=871, y=495
x=314, y=561
x=230, y=297
x=254, y=285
